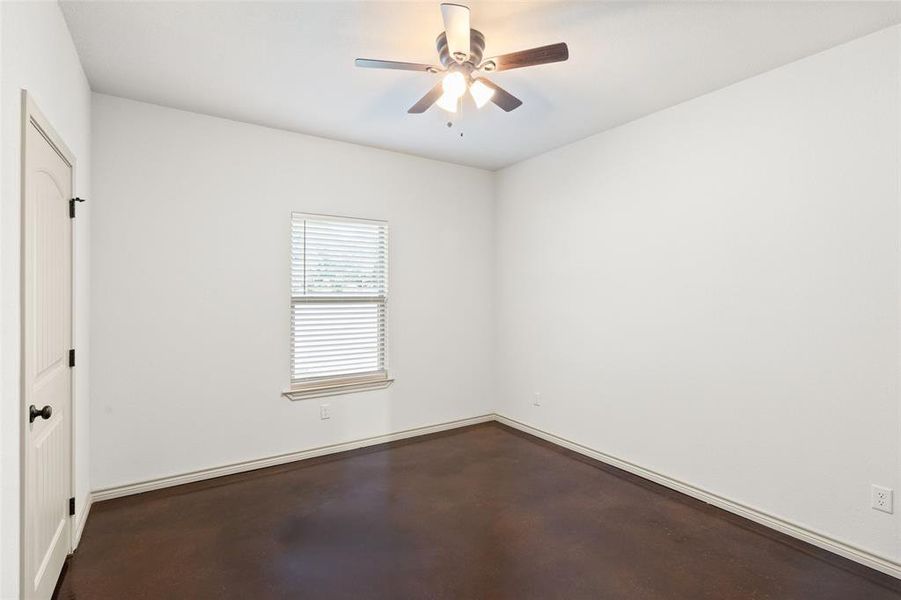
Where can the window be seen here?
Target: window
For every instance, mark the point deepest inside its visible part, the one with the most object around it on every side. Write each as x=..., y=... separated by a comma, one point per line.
x=339, y=295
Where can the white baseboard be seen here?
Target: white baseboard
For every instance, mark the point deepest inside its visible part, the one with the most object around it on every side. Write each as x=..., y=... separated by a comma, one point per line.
x=880, y=563
x=250, y=465
x=80, y=520
x=874, y=561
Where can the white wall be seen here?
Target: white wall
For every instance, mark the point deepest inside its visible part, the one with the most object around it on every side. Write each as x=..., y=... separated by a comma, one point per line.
x=191, y=238
x=37, y=54
x=712, y=292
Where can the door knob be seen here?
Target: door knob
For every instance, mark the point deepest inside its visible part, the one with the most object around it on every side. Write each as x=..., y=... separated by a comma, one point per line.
x=34, y=413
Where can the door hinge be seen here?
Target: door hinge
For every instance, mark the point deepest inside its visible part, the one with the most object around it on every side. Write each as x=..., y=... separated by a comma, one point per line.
x=72, y=357
x=71, y=507
x=72, y=206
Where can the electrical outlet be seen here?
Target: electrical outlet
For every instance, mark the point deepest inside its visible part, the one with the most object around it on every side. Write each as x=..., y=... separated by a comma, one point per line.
x=536, y=401
x=881, y=498
x=325, y=411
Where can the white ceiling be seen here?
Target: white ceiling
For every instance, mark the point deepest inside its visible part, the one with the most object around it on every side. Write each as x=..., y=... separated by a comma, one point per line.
x=290, y=65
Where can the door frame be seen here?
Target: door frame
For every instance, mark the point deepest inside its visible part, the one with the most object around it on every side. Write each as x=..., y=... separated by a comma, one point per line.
x=31, y=114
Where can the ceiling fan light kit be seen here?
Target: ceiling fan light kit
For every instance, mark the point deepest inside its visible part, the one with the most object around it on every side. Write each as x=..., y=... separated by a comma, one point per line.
x=480, y=93
x=448, y=103
x=460, y=52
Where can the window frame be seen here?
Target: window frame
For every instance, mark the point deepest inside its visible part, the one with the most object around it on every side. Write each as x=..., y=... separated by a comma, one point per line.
x=329, y=385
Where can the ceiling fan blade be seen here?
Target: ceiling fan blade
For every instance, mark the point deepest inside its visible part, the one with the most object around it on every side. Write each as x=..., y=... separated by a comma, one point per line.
x=426, y=101
x=456, y=27
x=502, y=97
x=527, y=58
x=370, y=63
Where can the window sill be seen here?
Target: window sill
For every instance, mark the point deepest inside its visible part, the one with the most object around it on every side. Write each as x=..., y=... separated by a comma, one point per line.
x=336, y=388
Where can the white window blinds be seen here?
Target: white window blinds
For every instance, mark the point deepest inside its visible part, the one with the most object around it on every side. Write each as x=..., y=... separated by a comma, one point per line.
x=339, y=291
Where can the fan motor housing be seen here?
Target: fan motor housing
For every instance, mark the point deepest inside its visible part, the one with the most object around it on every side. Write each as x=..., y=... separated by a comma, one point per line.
x=476, y=49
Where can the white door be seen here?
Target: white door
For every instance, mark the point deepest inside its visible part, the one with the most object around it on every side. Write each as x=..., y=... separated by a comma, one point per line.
x=46, y=375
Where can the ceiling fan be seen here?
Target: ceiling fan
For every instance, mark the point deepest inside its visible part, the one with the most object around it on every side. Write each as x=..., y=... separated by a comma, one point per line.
x=460, y=51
